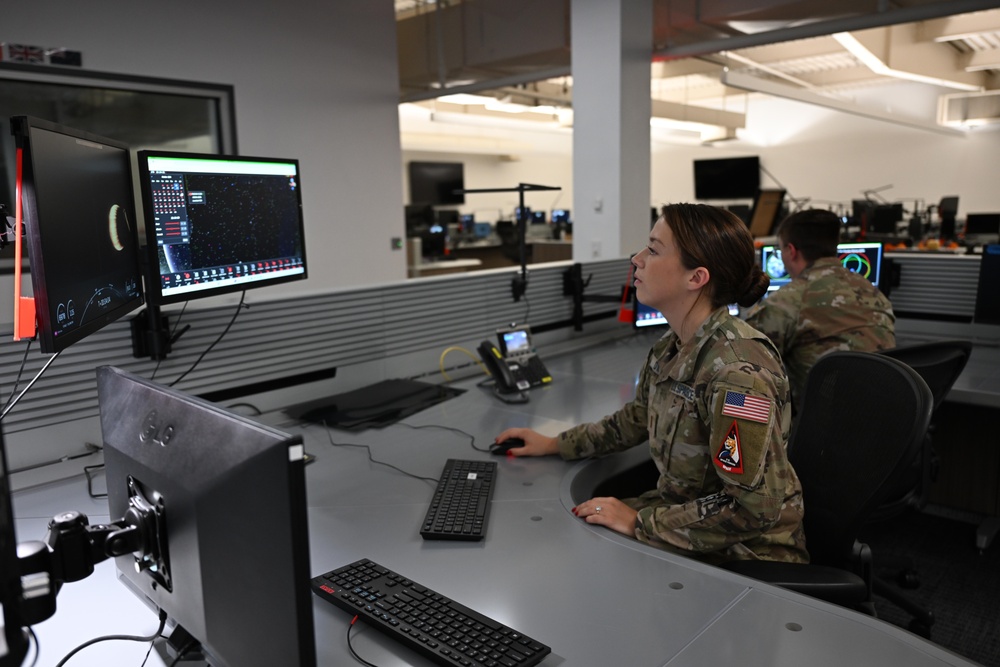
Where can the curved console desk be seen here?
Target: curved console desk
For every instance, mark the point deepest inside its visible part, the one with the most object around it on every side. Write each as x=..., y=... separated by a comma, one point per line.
x=596, y=597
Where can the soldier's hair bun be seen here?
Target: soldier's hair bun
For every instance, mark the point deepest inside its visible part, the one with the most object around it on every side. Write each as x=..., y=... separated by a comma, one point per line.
x=755, y=287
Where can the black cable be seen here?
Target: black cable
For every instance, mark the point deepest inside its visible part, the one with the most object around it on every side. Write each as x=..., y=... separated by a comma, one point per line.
x=90, y=481
x=130, y=638
x=472, y=438
x=34, y=642
x=372, y=459
x=351, y=648
x=215, y=342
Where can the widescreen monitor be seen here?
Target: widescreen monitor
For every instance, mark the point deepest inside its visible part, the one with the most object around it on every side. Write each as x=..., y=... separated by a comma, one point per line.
x=861, y=258
x=982, y=224
x=80, y=224
x=727, y=178
x=221, y=504
x=436, y=183
x=217, y=224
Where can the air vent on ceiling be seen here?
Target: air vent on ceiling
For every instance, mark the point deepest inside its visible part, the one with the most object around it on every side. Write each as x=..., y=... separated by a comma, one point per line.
x=969, y=109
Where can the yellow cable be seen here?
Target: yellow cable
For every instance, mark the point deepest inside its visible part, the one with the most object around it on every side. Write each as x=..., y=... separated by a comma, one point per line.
x=460, y=349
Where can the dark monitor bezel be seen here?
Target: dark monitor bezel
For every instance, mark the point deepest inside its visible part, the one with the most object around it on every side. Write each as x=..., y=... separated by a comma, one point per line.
x=987, y=307
x=42, y=243
x=981, y=220
x=235, y=538
x=154, y=292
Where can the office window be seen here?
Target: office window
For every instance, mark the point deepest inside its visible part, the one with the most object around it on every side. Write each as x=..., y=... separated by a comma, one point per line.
x=142, y=112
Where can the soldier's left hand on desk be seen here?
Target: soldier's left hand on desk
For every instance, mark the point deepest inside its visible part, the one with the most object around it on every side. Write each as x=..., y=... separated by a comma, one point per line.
x=609, y=512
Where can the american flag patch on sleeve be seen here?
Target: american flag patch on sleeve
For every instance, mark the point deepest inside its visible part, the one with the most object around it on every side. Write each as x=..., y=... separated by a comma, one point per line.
x=743, y=406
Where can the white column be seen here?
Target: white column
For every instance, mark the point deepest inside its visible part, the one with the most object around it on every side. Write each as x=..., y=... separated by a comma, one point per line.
x=612, y=45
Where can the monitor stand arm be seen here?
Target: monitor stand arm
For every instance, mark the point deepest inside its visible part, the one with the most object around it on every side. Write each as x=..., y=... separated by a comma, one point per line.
x=71, y=549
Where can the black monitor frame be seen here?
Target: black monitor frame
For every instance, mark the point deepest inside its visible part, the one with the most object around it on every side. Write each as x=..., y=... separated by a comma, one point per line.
x=221, y=500
x=284, y=234
x=80, y=223
x=436, y=183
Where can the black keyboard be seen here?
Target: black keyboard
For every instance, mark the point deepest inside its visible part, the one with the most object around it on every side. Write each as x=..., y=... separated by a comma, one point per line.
x=461, y=502
x=433, y=625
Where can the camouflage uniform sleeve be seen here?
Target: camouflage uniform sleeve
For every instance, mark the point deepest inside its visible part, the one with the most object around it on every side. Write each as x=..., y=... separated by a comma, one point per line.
x=777, y=317
x=626, y=428
x=749, y=461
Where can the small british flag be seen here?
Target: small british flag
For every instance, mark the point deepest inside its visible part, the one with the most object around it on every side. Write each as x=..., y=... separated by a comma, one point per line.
x=23, y=53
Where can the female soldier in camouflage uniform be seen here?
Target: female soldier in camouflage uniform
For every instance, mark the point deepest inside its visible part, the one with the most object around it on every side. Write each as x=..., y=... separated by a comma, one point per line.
x=712, y=401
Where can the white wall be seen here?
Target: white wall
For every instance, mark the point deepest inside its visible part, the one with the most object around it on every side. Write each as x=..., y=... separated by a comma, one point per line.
x=313, y=80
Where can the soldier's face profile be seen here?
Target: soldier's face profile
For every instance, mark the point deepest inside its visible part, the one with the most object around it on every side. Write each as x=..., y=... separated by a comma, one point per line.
x=660, y=276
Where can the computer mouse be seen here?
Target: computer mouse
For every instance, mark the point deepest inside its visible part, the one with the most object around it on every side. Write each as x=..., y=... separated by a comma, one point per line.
x=501, y=448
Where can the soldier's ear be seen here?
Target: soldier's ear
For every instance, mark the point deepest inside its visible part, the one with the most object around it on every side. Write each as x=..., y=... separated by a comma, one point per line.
x=699, y=278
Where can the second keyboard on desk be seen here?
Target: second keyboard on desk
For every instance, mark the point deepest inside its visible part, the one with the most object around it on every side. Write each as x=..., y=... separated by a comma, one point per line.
x=441, y=629
x=461, y=504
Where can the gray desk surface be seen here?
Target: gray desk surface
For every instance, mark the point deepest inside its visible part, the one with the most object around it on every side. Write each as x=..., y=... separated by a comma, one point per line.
x=596, y=597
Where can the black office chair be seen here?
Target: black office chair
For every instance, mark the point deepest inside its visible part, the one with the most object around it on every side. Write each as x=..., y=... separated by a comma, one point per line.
x=939, y=363
x=862, y=423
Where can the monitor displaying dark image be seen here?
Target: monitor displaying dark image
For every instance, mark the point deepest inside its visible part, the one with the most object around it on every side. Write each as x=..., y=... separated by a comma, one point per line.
x=217, y=224
x=727, y=178
x=647, y=316
x=982, y=223
x=560, y=216
x=436, y=183
x=220, y=502
x=80, y=224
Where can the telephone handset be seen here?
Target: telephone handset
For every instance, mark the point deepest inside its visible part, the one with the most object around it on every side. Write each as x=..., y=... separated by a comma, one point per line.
x=503, y=377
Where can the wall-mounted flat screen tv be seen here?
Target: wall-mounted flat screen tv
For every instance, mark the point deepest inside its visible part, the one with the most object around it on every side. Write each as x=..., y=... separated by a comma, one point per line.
x=727, y=178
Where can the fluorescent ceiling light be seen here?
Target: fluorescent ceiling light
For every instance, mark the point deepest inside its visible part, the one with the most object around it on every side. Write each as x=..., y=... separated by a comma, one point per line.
x=875, y=64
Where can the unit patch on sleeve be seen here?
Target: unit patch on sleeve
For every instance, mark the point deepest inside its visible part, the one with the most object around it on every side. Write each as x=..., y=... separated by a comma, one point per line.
x=730, y=454
x=744, y=406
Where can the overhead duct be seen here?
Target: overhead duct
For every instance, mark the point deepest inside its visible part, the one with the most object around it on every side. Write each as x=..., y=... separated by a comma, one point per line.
x=969, y=109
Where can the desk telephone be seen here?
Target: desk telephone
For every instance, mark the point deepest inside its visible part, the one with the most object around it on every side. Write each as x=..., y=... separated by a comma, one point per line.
x=514, y=365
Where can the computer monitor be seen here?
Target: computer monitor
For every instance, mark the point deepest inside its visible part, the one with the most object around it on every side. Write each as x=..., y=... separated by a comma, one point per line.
x=524, y=214
x=727, y=178
x=436, y=183
x=560, y=216
x=987, y=295
x=13, y=640
x=982, y=227
x=80, y=224
x=647, y=316
x=862, y=258
x=467, y=222
x=221, y=504
x=884, y=218
x=217, y=224
x=774, y=267
x=538, y=218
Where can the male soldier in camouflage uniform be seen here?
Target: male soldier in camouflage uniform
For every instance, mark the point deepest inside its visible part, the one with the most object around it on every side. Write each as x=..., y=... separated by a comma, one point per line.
x=726, y=490
x=825, y=307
